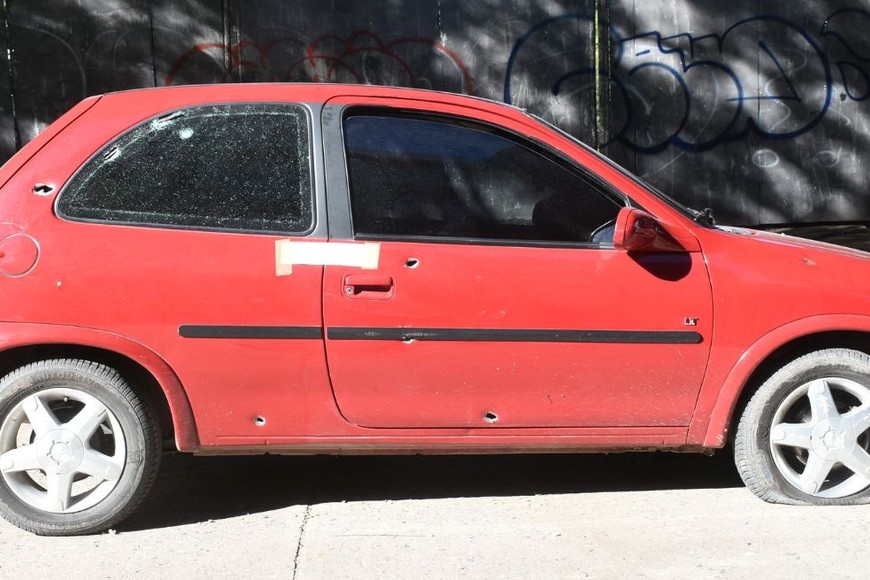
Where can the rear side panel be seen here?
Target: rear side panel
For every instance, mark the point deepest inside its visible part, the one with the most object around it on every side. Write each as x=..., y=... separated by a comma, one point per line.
x=19, y=159
x=208, y=303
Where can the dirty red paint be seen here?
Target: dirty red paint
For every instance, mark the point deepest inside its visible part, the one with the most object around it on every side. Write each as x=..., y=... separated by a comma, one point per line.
x=126, y=290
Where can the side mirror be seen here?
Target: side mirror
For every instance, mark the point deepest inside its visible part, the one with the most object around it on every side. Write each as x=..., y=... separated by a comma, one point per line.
x=638, y=231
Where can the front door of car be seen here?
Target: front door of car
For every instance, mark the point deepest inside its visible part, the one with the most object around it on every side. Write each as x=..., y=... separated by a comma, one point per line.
x=497, y=297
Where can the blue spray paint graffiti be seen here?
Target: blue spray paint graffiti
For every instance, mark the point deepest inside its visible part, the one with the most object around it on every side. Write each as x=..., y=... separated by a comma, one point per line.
x=763, y=75
x=846, y=32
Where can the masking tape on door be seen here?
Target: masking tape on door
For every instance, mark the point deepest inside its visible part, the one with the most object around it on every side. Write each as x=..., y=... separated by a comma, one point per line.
x=289, y=253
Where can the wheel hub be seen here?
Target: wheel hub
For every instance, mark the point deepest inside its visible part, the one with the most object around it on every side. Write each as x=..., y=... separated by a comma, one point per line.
x=831, y=439
x=60, y=451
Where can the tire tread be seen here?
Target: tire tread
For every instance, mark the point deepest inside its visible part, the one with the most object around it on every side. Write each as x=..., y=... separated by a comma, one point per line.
x=749, y=457
x=141, y=409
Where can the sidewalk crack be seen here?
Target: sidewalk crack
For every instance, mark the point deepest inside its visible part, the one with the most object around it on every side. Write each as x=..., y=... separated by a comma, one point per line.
x=305, y=517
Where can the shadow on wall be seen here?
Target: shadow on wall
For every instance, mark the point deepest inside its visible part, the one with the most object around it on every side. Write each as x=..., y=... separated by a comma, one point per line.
x=63, y=52
x=756, y=111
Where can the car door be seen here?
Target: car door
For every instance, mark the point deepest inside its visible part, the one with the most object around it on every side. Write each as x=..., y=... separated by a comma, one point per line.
x=497, y=297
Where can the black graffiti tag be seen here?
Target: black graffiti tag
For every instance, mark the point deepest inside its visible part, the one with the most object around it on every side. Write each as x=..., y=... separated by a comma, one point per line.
x=762, y=75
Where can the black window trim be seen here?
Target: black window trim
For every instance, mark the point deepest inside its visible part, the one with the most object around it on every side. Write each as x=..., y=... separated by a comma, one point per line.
x=312, y=227
x=567, y=163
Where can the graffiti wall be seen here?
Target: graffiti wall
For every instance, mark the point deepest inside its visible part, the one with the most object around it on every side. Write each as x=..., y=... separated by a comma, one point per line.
x=753, y=108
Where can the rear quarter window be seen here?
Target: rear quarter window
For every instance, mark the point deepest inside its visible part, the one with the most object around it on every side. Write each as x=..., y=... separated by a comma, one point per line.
x=227, y=167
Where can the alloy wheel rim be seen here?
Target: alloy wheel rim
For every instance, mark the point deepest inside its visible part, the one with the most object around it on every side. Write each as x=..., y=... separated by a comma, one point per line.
x=819, y=438
x=61, y=450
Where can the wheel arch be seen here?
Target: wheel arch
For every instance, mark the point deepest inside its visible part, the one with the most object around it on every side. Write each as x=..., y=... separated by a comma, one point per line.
x=765, y=357
x=146, y=372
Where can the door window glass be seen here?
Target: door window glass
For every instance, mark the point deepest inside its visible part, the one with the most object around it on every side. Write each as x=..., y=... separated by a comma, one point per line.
x=238, y=167
x=429, y=176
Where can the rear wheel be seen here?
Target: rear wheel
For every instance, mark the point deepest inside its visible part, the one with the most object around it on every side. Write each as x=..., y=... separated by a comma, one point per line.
x=804, y=437
x=78, y=448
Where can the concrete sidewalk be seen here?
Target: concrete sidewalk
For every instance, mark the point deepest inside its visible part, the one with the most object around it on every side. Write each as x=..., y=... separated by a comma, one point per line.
x=597, y=516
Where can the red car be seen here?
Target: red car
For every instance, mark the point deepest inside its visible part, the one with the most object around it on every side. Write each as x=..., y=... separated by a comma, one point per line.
x=339, y=269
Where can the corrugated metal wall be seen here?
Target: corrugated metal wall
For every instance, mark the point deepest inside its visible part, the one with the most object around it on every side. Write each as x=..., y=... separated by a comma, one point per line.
x=755, y=108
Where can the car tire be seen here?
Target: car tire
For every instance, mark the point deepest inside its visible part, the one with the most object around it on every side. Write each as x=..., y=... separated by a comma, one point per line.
x=79, y=449
x=804, y=436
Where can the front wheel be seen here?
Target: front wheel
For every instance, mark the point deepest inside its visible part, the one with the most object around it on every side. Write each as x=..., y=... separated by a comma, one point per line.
x=78, y=448
x=804, y=437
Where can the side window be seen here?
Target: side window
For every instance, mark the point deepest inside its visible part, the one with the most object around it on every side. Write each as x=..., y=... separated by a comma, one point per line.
x=238, y=167
x=429, y=176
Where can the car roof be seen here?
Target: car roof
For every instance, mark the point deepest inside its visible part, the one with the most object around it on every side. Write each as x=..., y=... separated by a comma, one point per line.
x=300, y=92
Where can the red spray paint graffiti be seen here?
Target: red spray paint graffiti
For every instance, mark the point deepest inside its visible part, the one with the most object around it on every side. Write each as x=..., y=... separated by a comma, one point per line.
x=362, y=57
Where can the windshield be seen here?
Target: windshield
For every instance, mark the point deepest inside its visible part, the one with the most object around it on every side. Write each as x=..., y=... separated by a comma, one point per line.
x=702, y=217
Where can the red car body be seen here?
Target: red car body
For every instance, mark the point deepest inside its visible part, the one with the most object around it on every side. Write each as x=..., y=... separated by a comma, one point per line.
x=385, y=344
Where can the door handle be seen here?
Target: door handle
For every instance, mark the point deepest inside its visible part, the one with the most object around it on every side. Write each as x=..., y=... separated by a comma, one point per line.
x=368, y=286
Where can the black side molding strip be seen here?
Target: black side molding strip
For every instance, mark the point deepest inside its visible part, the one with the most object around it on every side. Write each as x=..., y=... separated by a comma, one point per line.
x=518, y=335
x=444, y=334
x=286, y=332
